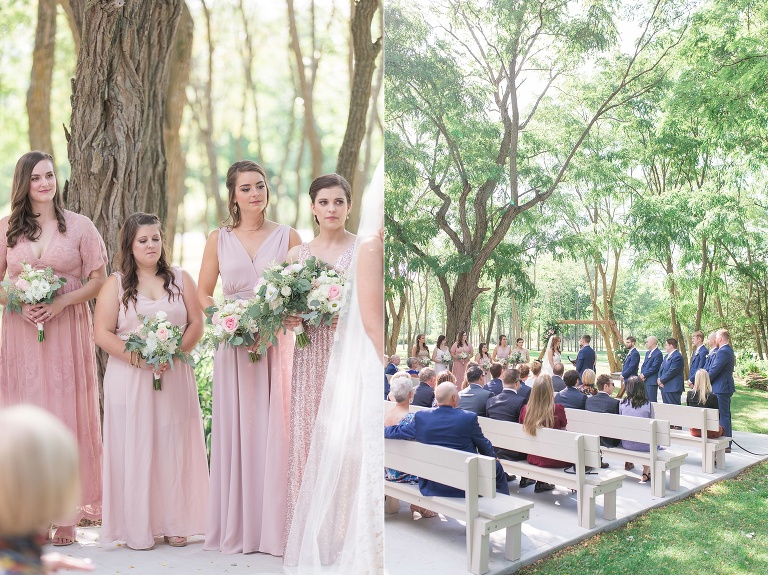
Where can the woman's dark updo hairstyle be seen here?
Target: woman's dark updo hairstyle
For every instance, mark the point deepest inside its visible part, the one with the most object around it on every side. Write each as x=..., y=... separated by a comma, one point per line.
x=232, y=173
x=126, y=263
x=23, y=220
x=329, y=181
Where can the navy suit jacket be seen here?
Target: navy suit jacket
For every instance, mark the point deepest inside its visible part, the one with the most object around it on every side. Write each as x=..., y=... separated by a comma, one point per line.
x=473, y=398
x=671, y=372
x=557, y=383
x=571, y=397
x=443, y=425
x=710, y=358
x=698, y=362
x=651, y=366
x=585, y=360
x=631, y=364
x=721, y=370
x=494, y=386
x=424, y=395
x=524, y=391
x=505, y=406
x=391, y=369
x=602, y=403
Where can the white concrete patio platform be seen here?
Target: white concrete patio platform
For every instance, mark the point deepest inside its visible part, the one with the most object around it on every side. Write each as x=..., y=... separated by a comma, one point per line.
x=437, y=545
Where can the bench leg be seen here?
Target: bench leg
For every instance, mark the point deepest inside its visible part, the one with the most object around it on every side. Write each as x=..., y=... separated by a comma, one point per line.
x=720, y=459
x=391, y=505
x=586, y=507
x=609, y=505
x=659, y=482
x=708, y=460
x=513, y=547
x=478, y=557
x=674, y=479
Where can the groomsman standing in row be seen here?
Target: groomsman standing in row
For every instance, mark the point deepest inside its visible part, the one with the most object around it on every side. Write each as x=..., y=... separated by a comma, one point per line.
x=650, y=370
x=671, y=374
x=712, y=341
x=699, y=355
x=721, y=376
x=632, y=361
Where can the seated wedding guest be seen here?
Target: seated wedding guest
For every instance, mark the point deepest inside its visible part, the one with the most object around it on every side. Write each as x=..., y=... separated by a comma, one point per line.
x=570, y=396
x=474, y=397
x=636, y=404
x=464, y=384
x=445, y=376
x=604, y=402
x=701, y=396
x=506, y=406
x=587, y=386
x=525, y=371
x=449, y=427
x=390, y=370
x=401, y=391
x=413, y=365
x=425, y=392
x=542, y=411
x=39, y=484
x=557, y=377
x=495, y=385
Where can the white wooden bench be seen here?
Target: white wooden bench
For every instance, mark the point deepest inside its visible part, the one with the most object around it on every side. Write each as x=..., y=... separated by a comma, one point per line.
x=654, y=432
x=581, y=450
x=482, y=509
x=712, y=450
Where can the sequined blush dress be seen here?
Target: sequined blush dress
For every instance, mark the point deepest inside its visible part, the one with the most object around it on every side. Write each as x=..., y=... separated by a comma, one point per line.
x=309, y=368
x=249, y=443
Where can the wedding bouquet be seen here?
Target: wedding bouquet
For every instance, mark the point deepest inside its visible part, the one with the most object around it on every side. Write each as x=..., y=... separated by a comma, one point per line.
x=514, y=358
x=326, y=298
x=486, y=365
x=33, y=287
x=424, y=361
x=463, y=355
x=236, y=322
x=157, y=341
x=446, y=358
x=284, y=290
x=503, y=361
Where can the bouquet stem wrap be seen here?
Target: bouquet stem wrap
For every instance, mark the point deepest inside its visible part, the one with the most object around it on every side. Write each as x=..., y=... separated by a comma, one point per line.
x=302, y=339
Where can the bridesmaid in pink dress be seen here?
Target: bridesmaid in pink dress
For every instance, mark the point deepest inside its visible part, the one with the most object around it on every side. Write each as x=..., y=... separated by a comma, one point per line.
x=331, y=198
x=155, y=465
x=249, y=442
x=459, y=367
x=58, y=374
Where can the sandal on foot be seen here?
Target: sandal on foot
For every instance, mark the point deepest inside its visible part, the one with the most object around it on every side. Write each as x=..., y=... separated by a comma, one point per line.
x=629, y=466
x=646, y=478
x=425, y=513
x=64, y=535
x=174, y=541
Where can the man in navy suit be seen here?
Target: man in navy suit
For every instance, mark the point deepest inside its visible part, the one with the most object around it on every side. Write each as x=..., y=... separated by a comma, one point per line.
x=449, y=427
x=557, y=377
x=671, y=375
x=570, y=396
x=699, y=355
x=506, y=406
x=712, y=341
x=721, y=376
x=474, y=397
x=632, y=361
x=391, y=369
x=650, y=370
x=604, y=402
x=425, y=392
x=586, y=358
x=495, y=385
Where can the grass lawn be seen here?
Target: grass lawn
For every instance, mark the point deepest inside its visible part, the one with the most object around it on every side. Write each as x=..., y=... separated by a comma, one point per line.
x=721, y=530
x=749, y=409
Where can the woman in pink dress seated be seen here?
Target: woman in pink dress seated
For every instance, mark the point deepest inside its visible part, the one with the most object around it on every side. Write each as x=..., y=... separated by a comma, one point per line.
x=58, y=374
x=249, y=438
x=155, y=466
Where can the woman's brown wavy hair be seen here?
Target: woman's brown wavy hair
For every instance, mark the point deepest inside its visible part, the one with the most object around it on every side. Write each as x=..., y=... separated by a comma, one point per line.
x=23, y=220
x=126, y=263
x=234, y=170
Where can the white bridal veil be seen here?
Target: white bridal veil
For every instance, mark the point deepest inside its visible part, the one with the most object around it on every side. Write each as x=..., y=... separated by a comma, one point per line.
x=338, y=525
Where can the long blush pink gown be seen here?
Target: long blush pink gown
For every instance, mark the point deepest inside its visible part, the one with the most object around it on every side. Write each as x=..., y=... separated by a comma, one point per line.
x=251, y=401
x=459, y=367
x=155, y=466
x=59, y=374
x=310, y=365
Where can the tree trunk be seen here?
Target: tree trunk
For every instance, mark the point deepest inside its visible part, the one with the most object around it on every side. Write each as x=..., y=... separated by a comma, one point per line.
x=677, y=330
x=75, y=20
x=365, y=52
x=397, y=320
x=492, y=316
x=118, y=105
x=39, y=93
x=178, y=79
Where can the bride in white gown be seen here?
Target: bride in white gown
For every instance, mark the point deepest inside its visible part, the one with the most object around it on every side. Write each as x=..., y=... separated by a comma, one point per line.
x=551, y=355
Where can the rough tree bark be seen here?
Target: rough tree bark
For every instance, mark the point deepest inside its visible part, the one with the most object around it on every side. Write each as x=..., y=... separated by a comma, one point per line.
x=118, y=102
x=39, y=93
x=174, y=110
x=75, y=19
x=365, y=52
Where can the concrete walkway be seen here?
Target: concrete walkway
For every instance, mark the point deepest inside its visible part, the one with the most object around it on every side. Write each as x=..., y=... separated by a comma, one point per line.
x=430, y=546
x=437, y=545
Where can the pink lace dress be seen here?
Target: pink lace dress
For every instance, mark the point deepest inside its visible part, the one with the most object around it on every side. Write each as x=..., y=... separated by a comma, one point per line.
x=249, y=442
x=459, y=367
x=155, y=466
x=59, y=374
x=309, y=369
